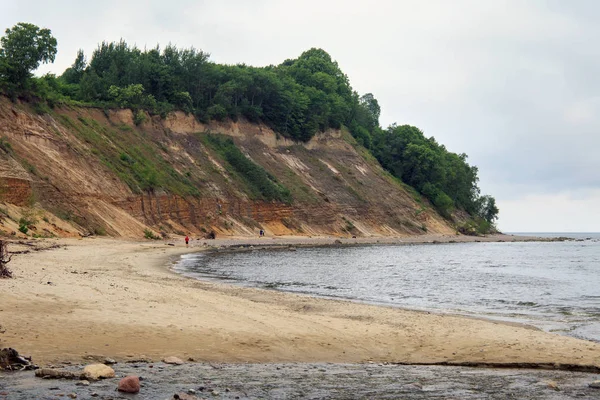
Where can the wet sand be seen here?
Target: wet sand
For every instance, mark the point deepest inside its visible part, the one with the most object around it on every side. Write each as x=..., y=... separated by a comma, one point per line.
x=119, y=299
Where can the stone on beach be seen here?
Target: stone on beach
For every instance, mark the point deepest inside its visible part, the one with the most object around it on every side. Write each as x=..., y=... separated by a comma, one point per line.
x=173, y=360
x=98, y=371
x=129, y=384
x=184, y=396
x=595, y=384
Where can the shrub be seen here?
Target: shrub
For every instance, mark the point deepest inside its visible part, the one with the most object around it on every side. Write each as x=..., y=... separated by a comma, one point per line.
x=148, y=234
x=476, y=226
x=139, y=117
x=99, y=231
x=5, y=145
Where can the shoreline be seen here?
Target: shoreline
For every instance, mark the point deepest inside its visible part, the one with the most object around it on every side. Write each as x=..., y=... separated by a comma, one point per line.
x=120, y=299
x=241, y=246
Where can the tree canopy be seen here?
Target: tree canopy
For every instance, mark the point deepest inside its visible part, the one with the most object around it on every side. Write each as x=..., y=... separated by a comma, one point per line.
x=23, y=48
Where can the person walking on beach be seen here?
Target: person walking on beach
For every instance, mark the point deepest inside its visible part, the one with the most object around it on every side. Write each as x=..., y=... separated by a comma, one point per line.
x=187, y=241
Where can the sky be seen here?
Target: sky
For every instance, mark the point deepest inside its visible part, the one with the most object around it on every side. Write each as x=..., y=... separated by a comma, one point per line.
x=515, y=84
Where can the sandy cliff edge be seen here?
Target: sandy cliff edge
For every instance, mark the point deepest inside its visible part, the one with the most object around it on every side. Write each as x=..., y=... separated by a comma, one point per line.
x=118, y=299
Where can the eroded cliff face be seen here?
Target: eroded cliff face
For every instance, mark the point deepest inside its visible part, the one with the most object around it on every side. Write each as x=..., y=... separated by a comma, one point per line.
x=61, y=170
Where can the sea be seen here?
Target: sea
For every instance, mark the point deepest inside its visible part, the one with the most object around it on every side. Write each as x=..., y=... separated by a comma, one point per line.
x=554, y=286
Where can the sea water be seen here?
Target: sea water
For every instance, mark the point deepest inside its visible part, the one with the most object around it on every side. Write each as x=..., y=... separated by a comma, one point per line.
x=552, y=285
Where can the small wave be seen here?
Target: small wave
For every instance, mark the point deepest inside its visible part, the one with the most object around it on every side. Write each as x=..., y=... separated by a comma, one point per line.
x=527, y=303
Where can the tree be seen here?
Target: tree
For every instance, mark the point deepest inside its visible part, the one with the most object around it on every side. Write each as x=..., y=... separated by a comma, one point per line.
x=75, y=72
x=487, y=208
x=24, y=47
x=370, y=103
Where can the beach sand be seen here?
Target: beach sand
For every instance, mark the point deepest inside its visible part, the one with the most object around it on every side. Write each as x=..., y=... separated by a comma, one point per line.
x=119, y=299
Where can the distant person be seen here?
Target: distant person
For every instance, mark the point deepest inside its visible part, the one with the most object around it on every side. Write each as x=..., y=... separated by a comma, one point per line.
x=261, y=233
x=187, y=241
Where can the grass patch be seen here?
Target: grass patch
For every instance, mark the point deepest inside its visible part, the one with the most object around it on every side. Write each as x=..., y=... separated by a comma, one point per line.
x=5, y=145
x=259, y=182
x=134, y=159
x=148, y=234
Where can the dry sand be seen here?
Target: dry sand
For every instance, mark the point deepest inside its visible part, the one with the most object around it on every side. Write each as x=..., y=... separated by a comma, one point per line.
x=119, y=299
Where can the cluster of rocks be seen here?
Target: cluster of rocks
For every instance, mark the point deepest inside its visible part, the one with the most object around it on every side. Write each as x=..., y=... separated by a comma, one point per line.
x=96, y=372
x=178, y=380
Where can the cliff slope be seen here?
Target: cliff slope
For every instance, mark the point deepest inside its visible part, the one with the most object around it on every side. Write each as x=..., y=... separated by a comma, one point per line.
x=75, y=171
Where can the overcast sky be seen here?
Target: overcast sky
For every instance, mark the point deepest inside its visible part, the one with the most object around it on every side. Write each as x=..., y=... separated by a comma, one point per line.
x=515, y=84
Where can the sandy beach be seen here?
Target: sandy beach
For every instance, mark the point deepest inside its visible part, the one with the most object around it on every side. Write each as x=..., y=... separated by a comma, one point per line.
x=119, y=299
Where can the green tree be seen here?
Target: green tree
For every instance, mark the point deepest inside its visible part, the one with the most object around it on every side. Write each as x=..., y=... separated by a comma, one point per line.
x=75, y=72
x=488, y=209
x=24, y=47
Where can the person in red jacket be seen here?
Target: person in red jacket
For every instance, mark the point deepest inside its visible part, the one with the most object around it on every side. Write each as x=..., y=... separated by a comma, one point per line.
x=187, y=241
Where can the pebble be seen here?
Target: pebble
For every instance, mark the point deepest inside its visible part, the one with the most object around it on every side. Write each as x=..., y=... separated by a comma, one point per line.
x=595, y=384
x=72, y=395
x=552, y=385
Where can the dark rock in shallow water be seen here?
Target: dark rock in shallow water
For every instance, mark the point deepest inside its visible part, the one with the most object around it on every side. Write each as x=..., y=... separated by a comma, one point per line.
x=184, y=396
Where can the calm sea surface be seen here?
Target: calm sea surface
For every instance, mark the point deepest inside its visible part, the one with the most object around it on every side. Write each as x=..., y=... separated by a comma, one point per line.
x=555, y=285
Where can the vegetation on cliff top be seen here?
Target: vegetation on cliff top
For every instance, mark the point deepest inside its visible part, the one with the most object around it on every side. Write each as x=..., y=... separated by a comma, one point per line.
x=297, y=98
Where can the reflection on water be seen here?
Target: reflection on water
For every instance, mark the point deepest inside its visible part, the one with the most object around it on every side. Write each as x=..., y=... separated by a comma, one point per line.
x=554, y=286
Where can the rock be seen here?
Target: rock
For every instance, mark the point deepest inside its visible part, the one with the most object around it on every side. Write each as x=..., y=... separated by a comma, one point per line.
x=337, y=241
x=49, y=373
x=129, y=384
x=109, y=361
x=141, y=359
x=595, y=385
x=173, y=360
x=552, y=385
x=72, y=395
x=184, y=396
x=215, y=393
x=83, y=383
x=98, y=371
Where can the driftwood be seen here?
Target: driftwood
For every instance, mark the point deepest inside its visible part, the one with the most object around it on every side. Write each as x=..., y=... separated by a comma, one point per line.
x=4, y=260
x=10, y=360
x=47, y=373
